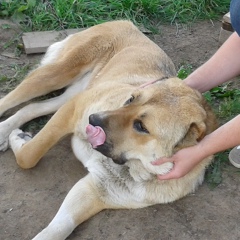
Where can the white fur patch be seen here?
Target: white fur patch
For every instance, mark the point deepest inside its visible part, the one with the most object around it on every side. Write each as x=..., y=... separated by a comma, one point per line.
x=15, y=141
x=60, y=227
x=53, y=51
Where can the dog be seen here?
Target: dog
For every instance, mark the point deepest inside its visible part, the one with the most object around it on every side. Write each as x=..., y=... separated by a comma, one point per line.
x=124, y=107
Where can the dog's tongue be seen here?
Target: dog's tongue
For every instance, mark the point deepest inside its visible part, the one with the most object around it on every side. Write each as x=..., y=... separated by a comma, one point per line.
x=95, y=135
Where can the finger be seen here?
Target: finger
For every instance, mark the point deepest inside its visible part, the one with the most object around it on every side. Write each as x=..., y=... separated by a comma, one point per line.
x=161, y=161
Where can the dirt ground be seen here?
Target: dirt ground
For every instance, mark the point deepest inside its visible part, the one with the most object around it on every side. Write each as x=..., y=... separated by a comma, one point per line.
x=30, y=198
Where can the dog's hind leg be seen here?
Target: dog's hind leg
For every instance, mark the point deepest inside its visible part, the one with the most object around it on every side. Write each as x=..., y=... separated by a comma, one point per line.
x=64, y=63
x=41, y=81
x=81, y=203
x=61, y=67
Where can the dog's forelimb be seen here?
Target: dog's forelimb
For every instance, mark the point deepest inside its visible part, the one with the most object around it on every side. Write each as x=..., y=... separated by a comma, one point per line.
x=28, y=153
x=81, y=203
x=35, y=110
x=24, y=115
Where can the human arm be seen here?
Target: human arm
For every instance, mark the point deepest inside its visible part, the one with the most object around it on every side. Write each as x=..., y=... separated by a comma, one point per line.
x=221, y=67
x=226, y=136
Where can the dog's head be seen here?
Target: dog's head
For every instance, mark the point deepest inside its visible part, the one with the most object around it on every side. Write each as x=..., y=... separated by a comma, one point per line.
x=155, y=121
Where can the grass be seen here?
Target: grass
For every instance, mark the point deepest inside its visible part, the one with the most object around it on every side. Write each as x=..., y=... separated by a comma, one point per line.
x=225, y=102
x=57, y=14
x=16, y=72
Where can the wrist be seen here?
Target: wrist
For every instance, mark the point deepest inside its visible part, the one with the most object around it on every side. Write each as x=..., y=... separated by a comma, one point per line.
x=204, y=149
x=195, y=82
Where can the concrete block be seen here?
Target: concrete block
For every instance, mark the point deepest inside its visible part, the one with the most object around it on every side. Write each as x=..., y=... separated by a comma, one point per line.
x=38, y=42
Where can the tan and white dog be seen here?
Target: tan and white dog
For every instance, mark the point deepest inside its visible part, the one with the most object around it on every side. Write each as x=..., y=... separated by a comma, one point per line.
x=119, y=120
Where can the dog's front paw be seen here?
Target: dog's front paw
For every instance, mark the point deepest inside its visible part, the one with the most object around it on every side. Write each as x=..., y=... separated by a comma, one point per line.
x=159, y=169
x=18, y=138
x=164, y=168
x=138, y=172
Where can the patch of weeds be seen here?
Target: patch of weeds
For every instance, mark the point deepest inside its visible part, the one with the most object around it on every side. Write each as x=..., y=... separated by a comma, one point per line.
x=3, y=78
x=228, y=108
x=213, y=174
x=15, y=40
x=225, y=101
x=20, y=71
x=16, y=9
x=223, y=91
x=184, y=71
x=58, y=14
x=5, y=26
x=19, y=50
x=35, y=125
x=188, y=11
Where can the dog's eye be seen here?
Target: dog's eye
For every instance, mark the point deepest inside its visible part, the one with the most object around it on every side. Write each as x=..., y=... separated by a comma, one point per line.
x=129, y=100
x=138, y=125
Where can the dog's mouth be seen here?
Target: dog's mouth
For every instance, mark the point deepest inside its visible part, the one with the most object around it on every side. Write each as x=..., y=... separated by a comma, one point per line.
x=97, y=138
x=95, y=135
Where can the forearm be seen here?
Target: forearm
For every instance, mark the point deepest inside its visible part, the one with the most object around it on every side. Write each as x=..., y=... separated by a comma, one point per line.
x=225, y=137
x=221, y=67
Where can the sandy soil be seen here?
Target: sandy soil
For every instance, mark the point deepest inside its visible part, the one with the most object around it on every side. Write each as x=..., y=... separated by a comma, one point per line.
x=30, y=198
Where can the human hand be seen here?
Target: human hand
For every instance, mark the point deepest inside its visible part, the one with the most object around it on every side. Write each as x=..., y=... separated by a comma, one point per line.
x=184, y=161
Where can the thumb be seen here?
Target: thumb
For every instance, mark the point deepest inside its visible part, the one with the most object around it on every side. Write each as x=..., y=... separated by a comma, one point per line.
x=161, y=161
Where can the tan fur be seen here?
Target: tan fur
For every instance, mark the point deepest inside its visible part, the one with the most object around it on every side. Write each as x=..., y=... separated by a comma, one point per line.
x=102, y=68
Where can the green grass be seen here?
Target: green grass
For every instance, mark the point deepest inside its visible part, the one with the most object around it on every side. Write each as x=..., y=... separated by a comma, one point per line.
x=58, y=14
x=18, y=72
x=225, y=101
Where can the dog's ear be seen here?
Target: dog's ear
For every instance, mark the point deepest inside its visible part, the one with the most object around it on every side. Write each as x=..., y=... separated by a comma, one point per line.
x=195, y=133
x=198, y=129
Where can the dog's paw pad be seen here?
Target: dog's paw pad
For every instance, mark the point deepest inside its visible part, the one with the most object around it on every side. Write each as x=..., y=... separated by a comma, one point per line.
x=15, y=134
x=18, y=138
x=25, y=135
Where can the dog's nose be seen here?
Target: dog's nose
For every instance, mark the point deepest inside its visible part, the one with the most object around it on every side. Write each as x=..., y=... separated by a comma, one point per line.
x=96, y=119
